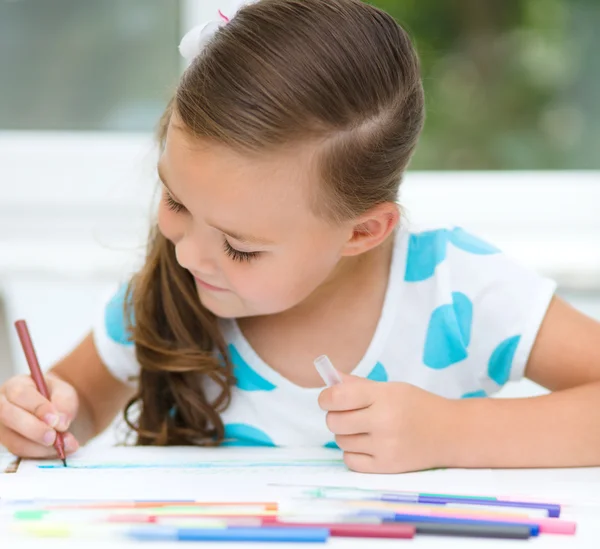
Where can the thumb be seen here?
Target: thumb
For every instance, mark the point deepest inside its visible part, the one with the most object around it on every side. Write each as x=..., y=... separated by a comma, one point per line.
x=351, y=393
x=64, y=398
x=348, y=378
x=329, y=373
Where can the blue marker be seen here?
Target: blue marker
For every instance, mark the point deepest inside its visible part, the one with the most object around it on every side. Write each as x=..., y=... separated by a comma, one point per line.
x=265, y=534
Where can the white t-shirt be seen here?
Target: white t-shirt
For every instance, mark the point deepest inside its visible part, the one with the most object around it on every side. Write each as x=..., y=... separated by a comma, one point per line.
x=459, y=320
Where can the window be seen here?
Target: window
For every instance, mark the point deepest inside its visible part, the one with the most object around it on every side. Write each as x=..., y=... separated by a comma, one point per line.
x=106, y=65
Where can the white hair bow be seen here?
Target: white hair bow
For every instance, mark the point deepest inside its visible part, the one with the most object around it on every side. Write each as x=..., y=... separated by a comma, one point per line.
x=196, y=38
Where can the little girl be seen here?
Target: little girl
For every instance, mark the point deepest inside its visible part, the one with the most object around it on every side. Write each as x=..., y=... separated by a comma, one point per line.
x=279, y=239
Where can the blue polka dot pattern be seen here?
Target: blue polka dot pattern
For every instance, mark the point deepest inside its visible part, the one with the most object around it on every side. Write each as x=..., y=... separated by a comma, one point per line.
x=427, y=250
x=246, y=378
x=475, y=394
x=332, y=444
x=500, y=362
x=449, y=333
x=378, y=373
x=469, y=243
x=114, y=318
x=241, y=434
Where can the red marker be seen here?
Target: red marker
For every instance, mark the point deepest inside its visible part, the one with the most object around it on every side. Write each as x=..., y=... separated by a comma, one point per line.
x=349, y=530
x=38, y=378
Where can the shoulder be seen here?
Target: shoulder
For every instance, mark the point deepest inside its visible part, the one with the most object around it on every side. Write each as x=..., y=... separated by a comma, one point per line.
x=426, y=248
x=464, y=302
x=442, y=263
x=112, y=334
x=118, y=316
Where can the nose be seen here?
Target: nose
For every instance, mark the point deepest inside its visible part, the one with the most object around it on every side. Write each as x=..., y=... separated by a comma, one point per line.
x=195, y=255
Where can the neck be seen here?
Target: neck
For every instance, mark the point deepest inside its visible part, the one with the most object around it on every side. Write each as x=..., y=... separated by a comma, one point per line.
x=344, y=283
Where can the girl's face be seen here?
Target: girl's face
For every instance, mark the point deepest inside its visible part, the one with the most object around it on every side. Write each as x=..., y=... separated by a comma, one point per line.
x=244, y=227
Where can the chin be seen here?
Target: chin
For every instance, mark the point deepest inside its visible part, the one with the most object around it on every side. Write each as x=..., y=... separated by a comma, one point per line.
x=220, y=309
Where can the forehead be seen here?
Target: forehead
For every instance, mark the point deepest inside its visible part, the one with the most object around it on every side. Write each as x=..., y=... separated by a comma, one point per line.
x=286, y=177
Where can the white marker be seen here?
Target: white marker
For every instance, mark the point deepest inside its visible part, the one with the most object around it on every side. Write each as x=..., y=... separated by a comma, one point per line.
x=327, y=371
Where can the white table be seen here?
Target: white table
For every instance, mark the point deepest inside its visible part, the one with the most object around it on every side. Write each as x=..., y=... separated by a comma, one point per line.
x=579, y=489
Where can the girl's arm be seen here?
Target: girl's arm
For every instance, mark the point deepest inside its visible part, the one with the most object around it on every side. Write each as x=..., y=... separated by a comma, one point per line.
x=101, y=396
x=559, y=429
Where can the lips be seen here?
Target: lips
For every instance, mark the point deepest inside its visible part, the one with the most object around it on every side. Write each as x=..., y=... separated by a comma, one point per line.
x=208, y=286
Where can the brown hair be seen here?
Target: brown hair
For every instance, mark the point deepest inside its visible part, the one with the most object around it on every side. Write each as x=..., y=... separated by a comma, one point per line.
x=340, y=73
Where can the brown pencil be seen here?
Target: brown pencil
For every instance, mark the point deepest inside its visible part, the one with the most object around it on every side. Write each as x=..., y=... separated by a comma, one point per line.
x=38, y=378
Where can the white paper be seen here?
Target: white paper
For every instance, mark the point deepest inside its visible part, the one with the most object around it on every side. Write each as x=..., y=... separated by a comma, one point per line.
x=170, y=473
x=264, y=474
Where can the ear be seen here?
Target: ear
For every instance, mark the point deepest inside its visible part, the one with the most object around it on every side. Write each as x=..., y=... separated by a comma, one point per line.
x=372, y=228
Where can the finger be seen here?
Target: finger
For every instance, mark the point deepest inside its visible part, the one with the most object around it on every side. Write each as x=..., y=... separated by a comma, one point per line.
x=361, y=463
x=23, y=447
x=355, y=444
x=349, y=423
x=71, y=443
x=26, y=396
x=20, y=446
x=27, y=425
x=354, y=393
x=65, y=400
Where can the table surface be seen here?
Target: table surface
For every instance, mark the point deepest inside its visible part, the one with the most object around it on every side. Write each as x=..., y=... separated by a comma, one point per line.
x=577, y=489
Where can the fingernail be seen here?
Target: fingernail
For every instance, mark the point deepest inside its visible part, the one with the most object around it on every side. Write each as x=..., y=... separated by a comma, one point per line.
x=49, y=438
x=51, y=419
x=63, y=421
x=71, y=444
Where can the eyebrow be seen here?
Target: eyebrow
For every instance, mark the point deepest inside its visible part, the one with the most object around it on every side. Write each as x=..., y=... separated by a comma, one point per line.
x=163, y=179
x=245, y=239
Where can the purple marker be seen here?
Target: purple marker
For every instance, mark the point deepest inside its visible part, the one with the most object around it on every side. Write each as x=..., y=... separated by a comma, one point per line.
x=552, y=508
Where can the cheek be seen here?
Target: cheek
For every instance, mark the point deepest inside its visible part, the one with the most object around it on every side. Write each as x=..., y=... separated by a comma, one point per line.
x=168, y=224
x=280, y=283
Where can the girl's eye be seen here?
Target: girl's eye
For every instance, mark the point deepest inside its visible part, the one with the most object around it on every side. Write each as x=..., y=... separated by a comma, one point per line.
x=236, y=255
x=172, y=204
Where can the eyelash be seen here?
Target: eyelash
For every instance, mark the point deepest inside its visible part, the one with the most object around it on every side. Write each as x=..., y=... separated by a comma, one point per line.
x=172, y=204
x=236, y=255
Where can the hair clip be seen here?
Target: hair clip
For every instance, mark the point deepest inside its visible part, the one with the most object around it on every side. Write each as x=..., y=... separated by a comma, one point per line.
x=196, y=39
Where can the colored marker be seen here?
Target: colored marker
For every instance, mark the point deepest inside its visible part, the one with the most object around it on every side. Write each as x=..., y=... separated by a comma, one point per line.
x=145, y=505
x=327, y=371
x=167, y=533
x=552, y=509
x=545, y=525
x=406, y=518
x=473, y=530
x=263, y=534
x=347, y=530
x=325, y=490
x=98, y=514
x=452, y=508
x=431, y=526
x=244, y=520
x=38, y=380
x=187, y=522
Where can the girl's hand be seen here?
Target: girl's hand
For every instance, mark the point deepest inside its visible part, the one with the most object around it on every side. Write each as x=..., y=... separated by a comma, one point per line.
x=387, y=427
x=29, y=422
